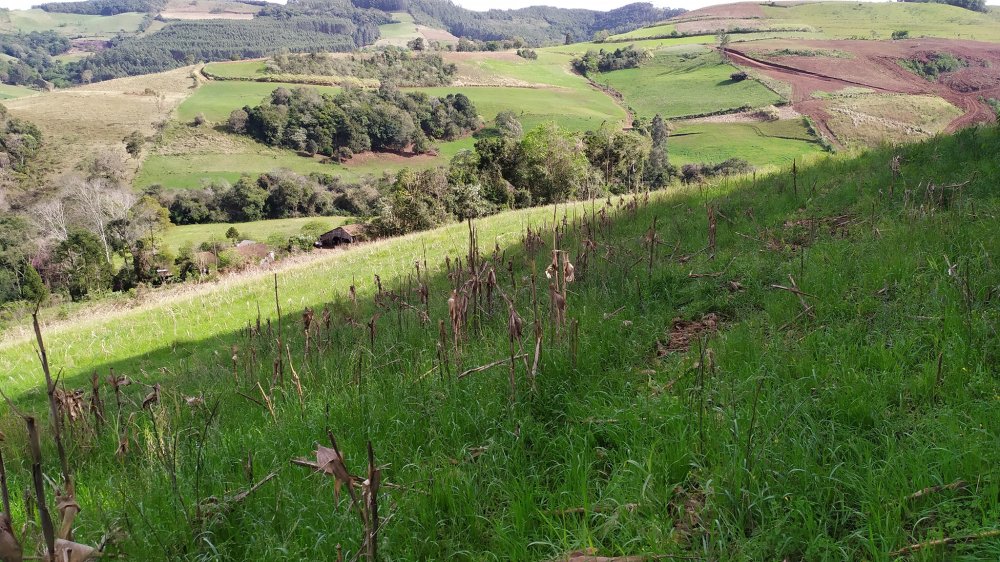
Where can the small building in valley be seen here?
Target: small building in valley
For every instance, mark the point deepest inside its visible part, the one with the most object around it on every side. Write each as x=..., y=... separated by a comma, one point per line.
x=347, y=234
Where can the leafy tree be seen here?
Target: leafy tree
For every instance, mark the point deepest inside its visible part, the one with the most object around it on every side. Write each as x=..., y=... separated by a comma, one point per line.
x=416, y=44
x=237, y=122
x=233, y=234
x=82, y=264
x=658, y=171
x=246, y=201
x=33, y=289
x=620, y=156
x=134, y=143
x=509, y=126
x=608, y=61
x=555, y=164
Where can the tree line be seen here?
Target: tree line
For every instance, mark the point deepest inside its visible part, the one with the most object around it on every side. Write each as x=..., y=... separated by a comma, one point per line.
x=303, y=26
x=31, y=57
x=400, y=66
x=356, y=120
x=608, y=61
x=104, y=7
x=537, y=25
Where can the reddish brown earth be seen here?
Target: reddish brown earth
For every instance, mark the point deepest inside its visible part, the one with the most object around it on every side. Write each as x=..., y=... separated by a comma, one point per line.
x=741, y=10
x=875, y=65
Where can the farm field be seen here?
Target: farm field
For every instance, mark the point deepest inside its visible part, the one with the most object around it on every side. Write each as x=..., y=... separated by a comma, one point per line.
x=854, y=20
x=237, y=69
x=398, y=34
x=187, y=157
x=217, y=99
x=95, y=118
x=686, y=81
x=70, y=25
x=177, y=237
x=9, y=92
x=207, y=9
x=678, y=402
x=764, y=144
x=872, y=119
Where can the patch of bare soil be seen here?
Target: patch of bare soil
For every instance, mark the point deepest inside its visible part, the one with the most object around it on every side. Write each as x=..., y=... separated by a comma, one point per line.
x=875, y=65
x=683, y=332
x=406, y=158
x=752, y=116
x=434, y=34
x=205, y=16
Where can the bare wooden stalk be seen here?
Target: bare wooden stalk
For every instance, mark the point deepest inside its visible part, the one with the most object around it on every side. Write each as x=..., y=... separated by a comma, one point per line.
x=711, y=231
x=371, y=501
x=945, y=541
x=277, y=306
x=53, y=405
x=48, y=531
x=4, y=489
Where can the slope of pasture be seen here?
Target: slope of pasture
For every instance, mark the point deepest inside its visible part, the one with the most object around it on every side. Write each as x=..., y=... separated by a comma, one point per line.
x=245, y=69
x=187, y=156
x=177, y=237
x=217, y=99
x=405, y=29
x=70, y=25
x=207, y=9
x=764, y=144
x=653, y=31
x=199, y=314
x=80, y=122
x=877, y=20
x=9, y=92
x=686, y=81
x=689, y=409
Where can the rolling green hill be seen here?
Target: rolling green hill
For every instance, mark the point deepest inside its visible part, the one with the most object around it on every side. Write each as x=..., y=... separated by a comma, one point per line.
x=810, y=377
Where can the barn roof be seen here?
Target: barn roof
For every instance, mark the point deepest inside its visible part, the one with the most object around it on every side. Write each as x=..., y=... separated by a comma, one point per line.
x=356, y=229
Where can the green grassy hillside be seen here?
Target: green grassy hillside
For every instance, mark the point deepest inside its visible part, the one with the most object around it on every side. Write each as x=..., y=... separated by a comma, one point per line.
x=771, y=143
x=71, y=25
x=780, y=390
x=178, y=236
x=186, y=157
x=686, y=81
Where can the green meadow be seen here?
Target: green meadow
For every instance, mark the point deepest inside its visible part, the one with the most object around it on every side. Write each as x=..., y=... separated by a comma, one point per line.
x=9, y=92
x=686, y=81
x=770, y=143
x=71, y=25
x=177, y=237
x=864, y=20
x=571, y=103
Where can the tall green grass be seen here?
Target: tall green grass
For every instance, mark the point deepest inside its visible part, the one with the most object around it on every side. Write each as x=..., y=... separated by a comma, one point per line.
x=790, y=433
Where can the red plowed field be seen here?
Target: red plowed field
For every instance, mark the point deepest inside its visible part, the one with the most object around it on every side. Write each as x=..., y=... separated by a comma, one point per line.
x=875, y=65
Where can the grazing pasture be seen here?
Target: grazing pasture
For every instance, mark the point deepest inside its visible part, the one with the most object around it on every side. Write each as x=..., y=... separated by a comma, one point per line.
x=686, y=81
